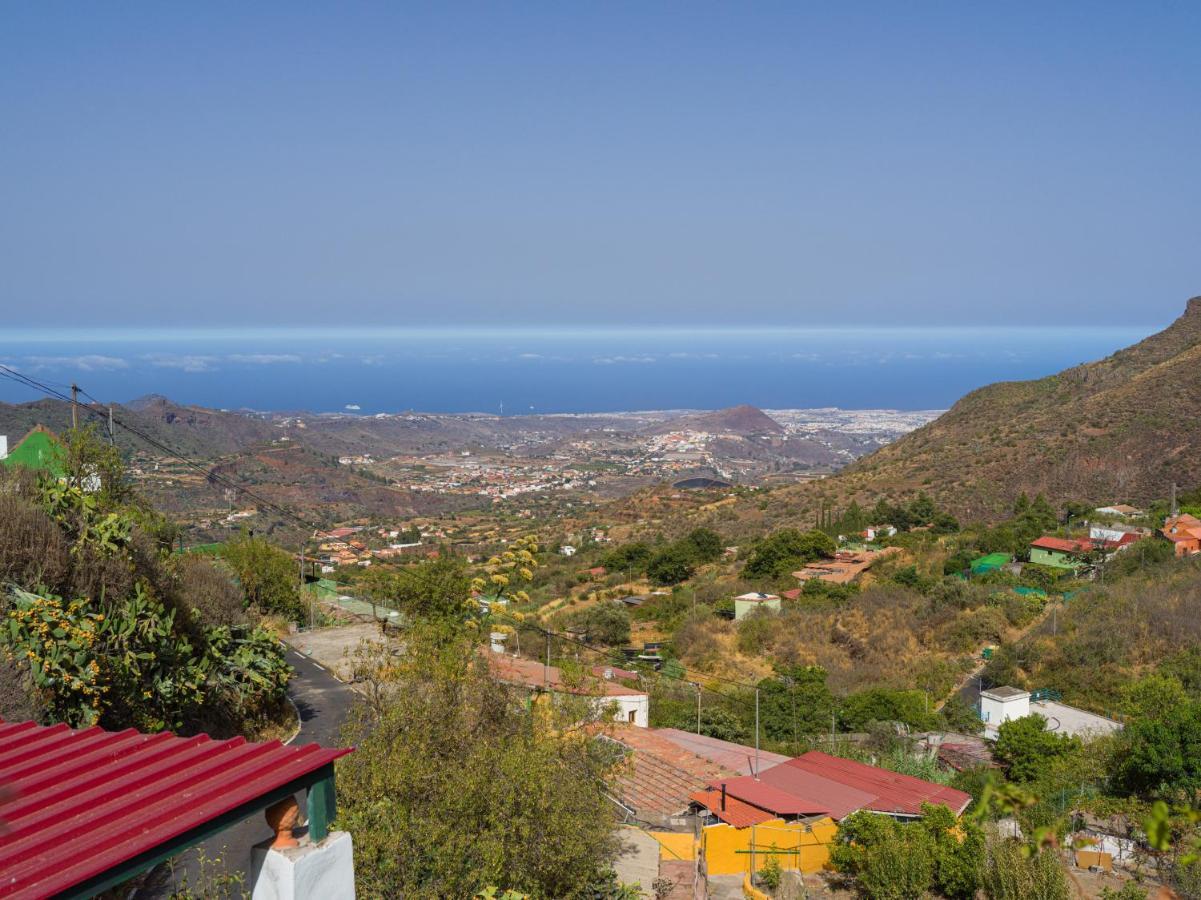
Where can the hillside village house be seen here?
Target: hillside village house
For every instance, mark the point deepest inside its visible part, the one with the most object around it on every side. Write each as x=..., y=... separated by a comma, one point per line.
x=1116, y=537
x=627, y=704
x=795, y=806
x=1184, y=531
x=1120, y=509
x=1060, y=553
x=746, y=604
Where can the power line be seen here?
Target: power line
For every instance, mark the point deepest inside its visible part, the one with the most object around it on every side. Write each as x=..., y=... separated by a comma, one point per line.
x=210, y=475
x=603, y=650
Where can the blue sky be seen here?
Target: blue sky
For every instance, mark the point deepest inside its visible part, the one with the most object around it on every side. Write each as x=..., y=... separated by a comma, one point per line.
x=619, y=163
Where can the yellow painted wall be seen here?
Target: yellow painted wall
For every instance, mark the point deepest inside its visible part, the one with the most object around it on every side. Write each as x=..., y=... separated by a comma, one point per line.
x=675, y=845
x=721, y=845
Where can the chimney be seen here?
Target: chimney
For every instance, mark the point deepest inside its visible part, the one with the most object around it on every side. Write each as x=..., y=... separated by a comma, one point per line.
x=723, y=796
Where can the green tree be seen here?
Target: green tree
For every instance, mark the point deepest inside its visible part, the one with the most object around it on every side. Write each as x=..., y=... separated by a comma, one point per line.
x=455, y=785
x=632, y=558
x=1162, y=753
x=786, y=550
x=268, y=576
x=1028, y=750
x=796, y=703
x=888, y=860
x=705, y=544
x=435, y=588
x=883, y=705
x=958, y=851
x=607, y=623
x=671, y=565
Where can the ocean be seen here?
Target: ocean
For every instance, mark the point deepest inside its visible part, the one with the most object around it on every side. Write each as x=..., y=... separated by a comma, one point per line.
x=518, y=371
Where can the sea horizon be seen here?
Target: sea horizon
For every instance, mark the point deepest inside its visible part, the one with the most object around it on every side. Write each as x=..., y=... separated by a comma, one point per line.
x=549, y=370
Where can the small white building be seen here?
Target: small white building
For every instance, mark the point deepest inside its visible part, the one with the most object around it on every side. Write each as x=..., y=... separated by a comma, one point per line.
x=1120, y=509
x=746, y=604
x=567, y=550
x=1002, y=704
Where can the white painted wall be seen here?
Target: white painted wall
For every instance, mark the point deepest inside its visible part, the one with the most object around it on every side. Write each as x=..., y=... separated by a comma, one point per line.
x=995, y=710
x=639, y=705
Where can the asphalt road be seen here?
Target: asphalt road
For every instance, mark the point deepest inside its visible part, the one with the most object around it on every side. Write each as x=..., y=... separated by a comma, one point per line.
x=323, y=703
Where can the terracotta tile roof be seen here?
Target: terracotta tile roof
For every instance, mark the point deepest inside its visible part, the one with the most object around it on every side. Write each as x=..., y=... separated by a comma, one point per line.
x=523, y=672
x=1182, y=528
x=659, y=776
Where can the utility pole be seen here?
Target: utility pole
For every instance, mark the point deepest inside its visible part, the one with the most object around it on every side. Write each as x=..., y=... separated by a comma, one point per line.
x=75, y=408
x=756, y=734
x=698, y=707
x=546, y=671
x=1175, y=511
x=111, y=439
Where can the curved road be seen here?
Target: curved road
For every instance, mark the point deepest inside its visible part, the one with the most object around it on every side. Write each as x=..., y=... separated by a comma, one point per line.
x=323, y=703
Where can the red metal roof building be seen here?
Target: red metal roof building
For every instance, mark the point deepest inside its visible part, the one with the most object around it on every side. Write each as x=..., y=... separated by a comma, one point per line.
x=819, y=784
x=1063, y=545
x=82, y=811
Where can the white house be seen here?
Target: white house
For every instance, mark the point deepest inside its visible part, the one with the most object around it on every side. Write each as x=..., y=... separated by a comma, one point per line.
x=567, y=550
x=626, y=704
x=1120, y=509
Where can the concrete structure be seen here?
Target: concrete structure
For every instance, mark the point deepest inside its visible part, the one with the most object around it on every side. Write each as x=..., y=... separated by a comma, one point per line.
x=1001, y=704
x=745, y=604
x=845, y=567
x=998, y=705
x=321, y=871
x=3, y=446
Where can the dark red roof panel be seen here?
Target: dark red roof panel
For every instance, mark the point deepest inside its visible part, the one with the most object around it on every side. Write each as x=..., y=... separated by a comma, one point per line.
x=894, y=792
x=77, y=803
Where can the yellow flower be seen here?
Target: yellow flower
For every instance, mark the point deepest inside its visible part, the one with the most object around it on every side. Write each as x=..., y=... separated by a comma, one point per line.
x=526, y=574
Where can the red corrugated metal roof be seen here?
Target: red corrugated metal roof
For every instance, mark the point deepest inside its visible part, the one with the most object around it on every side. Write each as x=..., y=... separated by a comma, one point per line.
x=736, y=813
x=1063, y=545
x=81, y=802
x=817, y=783
x=894, y=793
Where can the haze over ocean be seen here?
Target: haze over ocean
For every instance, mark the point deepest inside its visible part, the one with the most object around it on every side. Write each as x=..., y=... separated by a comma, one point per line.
x=551, y=371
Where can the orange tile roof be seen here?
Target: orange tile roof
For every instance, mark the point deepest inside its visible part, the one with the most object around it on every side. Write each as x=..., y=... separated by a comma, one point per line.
x=528, y=673
x=1182, y=528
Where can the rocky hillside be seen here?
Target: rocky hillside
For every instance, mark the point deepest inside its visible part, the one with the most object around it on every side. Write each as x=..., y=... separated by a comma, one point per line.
x=1119, y=429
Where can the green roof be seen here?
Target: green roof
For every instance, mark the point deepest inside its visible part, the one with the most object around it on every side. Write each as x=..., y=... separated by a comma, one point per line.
x=38, y=450
x=990, y=563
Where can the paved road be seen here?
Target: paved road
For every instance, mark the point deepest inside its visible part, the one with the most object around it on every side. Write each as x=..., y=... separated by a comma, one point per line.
x=323, y=703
